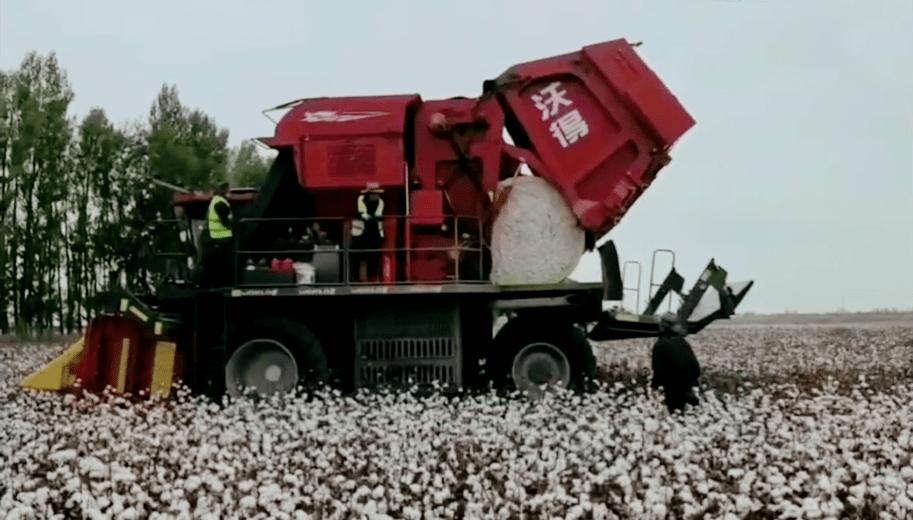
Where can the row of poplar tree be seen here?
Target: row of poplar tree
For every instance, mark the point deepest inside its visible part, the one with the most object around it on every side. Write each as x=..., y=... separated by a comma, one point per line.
x=76, y=197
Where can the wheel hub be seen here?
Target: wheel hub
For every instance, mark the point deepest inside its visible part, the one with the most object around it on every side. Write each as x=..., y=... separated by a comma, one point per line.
x=539, y=367
x=262, y=365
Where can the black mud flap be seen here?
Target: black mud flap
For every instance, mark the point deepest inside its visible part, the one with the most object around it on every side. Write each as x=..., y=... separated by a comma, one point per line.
x=711, y=299
x=612, y=284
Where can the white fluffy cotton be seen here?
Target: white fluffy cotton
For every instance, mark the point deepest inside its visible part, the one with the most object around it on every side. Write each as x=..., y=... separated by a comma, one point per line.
x=795, y=423
x=535, y=237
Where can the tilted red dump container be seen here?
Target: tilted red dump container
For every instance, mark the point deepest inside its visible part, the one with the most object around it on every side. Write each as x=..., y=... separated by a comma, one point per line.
x=601, y=123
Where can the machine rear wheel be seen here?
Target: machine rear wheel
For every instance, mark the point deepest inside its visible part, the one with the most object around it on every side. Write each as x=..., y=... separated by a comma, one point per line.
x=534, y=358
x=275, y=356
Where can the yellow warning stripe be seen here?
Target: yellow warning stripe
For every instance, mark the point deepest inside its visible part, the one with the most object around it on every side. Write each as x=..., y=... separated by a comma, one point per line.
x=122, y=369
x=163, y=368
x=138, y=313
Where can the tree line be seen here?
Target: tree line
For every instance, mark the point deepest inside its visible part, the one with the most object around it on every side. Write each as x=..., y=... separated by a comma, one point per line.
x=76, y=196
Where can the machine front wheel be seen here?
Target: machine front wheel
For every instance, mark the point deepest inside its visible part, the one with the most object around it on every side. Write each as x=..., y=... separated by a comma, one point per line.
x=262, y=365
x=275, y=356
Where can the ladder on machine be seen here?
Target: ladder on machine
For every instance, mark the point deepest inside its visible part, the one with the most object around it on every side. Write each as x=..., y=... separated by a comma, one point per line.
x=658, y=293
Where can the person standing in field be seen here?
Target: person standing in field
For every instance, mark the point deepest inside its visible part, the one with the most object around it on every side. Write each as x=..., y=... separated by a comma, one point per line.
x=675, y=367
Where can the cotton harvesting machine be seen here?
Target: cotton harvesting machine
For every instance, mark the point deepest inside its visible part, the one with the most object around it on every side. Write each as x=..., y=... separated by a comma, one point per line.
x=380, y=248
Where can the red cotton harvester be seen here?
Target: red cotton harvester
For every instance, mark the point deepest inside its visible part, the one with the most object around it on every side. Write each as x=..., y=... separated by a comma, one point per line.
x=307, y=298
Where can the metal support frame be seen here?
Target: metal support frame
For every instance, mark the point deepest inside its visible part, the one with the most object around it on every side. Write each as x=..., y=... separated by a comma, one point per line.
x=636, y=288
x=653, y=284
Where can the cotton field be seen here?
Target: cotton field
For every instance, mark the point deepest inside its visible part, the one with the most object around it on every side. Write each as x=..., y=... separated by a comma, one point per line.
x=796, y=422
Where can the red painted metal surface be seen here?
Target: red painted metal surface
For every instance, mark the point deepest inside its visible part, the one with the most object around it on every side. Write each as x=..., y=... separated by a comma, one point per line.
x=600, y=123
x=107, y=363
x=597, y=123
x=347, y=142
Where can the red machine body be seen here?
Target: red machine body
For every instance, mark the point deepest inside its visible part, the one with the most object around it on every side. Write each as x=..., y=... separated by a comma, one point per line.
x=597, y=123
x=414, y=184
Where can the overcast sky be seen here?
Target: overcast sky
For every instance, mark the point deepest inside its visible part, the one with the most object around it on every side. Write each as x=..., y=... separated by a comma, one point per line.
x=799, y=173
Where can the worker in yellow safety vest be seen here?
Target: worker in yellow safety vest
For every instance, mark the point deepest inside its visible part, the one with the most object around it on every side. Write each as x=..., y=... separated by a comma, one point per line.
x=217, y=240
x=368, y=233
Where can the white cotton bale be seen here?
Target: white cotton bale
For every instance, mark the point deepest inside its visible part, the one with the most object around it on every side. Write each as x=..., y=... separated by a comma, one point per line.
x=535, y=238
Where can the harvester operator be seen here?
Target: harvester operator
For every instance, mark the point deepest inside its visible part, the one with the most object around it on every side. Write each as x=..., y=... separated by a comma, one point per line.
x=675, y=367
x=217, y=240
x=368, y=233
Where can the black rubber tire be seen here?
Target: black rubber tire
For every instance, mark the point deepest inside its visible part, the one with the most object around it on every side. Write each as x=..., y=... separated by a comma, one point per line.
x=522, y=331
x=313, y=370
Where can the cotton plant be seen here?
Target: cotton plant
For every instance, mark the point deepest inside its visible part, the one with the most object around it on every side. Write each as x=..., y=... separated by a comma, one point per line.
x=794, y=423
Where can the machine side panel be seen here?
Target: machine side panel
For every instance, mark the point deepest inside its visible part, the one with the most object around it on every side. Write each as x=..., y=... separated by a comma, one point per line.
x=347, y=142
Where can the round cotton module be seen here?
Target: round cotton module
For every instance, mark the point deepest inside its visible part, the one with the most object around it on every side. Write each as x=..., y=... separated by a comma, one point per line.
x=535, y=238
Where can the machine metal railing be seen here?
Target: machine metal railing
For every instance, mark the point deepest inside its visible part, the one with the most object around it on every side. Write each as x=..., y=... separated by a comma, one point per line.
x=323, y=247
x=654, y=285
x=628, y=288
x=171, y=247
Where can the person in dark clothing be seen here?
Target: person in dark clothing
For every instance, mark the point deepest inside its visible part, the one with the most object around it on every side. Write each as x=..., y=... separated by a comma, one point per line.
x=675, y=367
x=368, y=233
x=217, y=241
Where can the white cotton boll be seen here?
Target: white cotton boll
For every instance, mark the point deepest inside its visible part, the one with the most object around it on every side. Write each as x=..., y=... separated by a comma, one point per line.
x=128, y=514
x=832, y=508
x=93, y=467
x=41, y=495
x=811, y=508
x=574, y=513
x=535, y=238
x=858, y=490
x=659, y=510
x=21, y=512
x=192, y=483
x=269, y=493
x=743, y=504
x=59, y=457
x=904, y=502
x=907, y=473
x=651, y=425
x=248, y=502
x=825, y=484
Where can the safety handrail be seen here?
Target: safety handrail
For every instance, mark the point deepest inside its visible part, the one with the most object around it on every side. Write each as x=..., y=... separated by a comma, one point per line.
x=182, y=239
x=636, y=288
x=653, y=284
x=344, y=250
